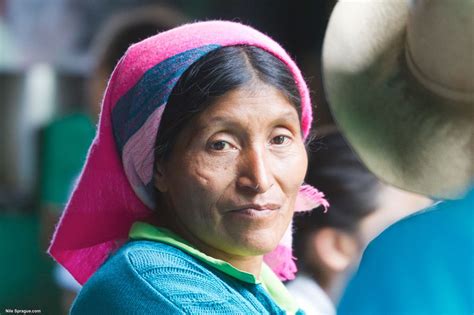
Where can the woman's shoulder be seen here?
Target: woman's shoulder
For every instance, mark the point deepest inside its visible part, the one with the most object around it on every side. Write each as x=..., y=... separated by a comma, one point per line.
x=151, y=271
x=148, y=261
x=141, y=255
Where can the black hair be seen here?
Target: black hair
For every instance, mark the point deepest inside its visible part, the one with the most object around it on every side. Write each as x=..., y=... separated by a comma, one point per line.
x=218, y=72
x=350, y=188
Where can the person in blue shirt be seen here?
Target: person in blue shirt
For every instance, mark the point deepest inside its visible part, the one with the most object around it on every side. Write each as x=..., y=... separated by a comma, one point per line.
x=400, y=81
x=328, y=245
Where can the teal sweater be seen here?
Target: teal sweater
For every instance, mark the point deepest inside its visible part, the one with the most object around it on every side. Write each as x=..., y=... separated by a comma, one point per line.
x=150, y=277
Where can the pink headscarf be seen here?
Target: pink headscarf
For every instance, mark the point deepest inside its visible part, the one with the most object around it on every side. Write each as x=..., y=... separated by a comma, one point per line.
x=113, y=190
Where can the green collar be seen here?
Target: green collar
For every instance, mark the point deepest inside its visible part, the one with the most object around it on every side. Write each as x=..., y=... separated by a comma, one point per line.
x=269, y=280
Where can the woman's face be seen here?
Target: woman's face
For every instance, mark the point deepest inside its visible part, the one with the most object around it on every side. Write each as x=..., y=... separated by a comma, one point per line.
x=234, y=173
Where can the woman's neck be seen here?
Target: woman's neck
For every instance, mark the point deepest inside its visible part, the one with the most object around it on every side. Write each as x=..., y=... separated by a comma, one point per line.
x=250, y=264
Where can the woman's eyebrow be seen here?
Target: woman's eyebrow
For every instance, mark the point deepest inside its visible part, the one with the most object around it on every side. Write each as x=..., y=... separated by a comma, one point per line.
x=219, y=120
x=284, y=114
x=288, y=114
x=233, y=121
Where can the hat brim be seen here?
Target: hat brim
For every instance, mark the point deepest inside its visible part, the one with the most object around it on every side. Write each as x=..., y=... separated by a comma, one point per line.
x=406, y=135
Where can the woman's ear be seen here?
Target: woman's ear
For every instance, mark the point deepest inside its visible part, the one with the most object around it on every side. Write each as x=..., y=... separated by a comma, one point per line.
x=335, y=249
x=159, y=178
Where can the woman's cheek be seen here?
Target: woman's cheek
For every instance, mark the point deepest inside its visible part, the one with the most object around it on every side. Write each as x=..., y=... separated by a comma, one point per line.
x=211, y=175
x=292, y=167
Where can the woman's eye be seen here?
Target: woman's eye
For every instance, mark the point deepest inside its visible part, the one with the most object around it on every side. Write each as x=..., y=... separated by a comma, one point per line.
x=220, y=145
x=279, y=140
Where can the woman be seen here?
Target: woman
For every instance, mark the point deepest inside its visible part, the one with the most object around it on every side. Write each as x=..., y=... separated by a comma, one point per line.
x=328, y=245
x=201, y=148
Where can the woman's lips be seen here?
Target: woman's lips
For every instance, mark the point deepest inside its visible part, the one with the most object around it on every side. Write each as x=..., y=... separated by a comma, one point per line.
x=256, y=210
x=258, y=207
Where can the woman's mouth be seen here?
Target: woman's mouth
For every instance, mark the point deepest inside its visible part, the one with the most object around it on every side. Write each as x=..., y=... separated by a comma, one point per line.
x=256, y=210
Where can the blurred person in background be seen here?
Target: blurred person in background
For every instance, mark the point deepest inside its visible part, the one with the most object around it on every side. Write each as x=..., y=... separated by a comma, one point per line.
x=399, y=77
x=328, y=244
x=65, y=141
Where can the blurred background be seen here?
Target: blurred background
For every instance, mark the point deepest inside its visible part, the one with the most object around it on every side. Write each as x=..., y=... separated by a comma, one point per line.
x=55, y=58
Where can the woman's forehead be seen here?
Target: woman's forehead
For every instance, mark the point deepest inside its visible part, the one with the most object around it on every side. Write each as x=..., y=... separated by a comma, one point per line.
x=261, y=103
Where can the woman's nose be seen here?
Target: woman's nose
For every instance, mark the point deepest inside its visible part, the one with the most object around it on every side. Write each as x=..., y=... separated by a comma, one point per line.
x=254, y=174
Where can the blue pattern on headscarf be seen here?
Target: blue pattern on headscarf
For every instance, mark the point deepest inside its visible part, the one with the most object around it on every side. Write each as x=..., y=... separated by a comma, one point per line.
x=150, y=92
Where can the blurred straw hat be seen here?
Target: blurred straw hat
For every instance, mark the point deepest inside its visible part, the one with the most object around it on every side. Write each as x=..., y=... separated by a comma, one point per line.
x=399, y=77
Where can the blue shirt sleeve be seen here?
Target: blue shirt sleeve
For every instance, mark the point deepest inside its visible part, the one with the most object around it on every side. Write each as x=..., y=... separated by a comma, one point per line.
x=423, y=264
x=118, y=289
